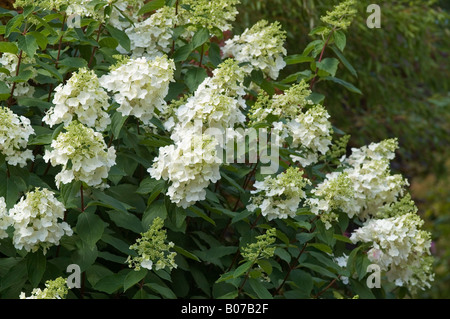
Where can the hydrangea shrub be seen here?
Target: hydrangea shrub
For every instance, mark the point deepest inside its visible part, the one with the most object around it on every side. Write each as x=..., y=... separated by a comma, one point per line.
x=115, y=119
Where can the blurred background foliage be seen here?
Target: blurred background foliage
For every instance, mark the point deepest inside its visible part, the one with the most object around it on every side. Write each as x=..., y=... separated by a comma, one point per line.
x=403, y=73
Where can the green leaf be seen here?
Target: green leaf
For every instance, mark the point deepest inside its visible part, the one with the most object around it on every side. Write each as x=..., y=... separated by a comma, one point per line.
x=118, y=244
x=322, y=247
x=97, y=272
x=185, y=253
x=156, y=209
x=120, y=36
x=342, y=238
x=214, y=54
x=127, y=221
x=165, y=292
x=12, y=25
x=345, y=84
x=283, y=254
x=105, y=200
x=340, y=39
x=110, y=284
x=28, y=44
x=200, y=37
x=329, y=65
x=84, y=256
x=4, y=91
x=297, y=59
x=303, y=281
x=23, y=76
x=9, y=47
x=182, y=53
x=90, y=228
x=242, y=269
x=259, y=289
x=75, y=63
x=117, y=122
x=361, y=289
x=201, y=214
x=36, y=265
x=108, y=42
x=194, y=77
x=325, y=260
x=319, y=270
x=344, y=61
x=51, y=69
x=41, y=40
x=133, y=278
x=14, y=275
x=151, y=6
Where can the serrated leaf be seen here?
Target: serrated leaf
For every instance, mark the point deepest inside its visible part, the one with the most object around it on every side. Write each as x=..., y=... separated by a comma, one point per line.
x=9, y=47
x=329, y=65
x=340, y=39
x=194, y=77
x=321, y=247
x=28, y=44
x=120, y=36
x=345, y=84
x=133, y=277
x=90, y=228
x=259, y=289
x=200, y=37
x=242, y=269
x=75, y=63
x=36, y=265
x=151, y=6
x=182, y=53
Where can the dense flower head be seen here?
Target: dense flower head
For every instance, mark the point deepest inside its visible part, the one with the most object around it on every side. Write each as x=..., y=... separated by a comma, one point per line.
x=279, y=197
x=217, y=14
x=364, y=185
x=400, y=248
x=153, y=249
x=140, y=86
x=281, y=106
x=153, y=36
x=374, y=186
x=261, y=47
x=190, y=165
x=4, y=218
x=44, y=4
x=340, y=17
x=84, y=155
x=9, y=61
x=333, y=194
x=124, y=14
x=218, y=100
x=36, y=221
x=54, y=289
x=311, y=131
x=262, y=248
x=14, y=134
x=81, y=98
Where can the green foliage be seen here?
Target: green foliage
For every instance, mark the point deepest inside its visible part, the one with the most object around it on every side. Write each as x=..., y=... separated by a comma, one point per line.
x=215, y=248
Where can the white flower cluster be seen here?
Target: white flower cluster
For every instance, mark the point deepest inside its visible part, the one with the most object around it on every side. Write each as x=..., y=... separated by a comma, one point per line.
x=193, y=162
x=217, y=14
x=261, y=46
x=218, y=100
x=140, y=85
x=153, y=36
x=84, y=8
x=128, y=13
x=54, y=289
x=9, y=62
x=364, y=185
x=82, y=99
x=190, y=165
x=83, y=154
x=35, y=219
x=14, y=134
x=4, y=218
x=312, y=131
x=279, y=197
x=400, y=248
